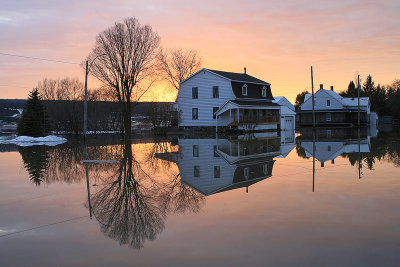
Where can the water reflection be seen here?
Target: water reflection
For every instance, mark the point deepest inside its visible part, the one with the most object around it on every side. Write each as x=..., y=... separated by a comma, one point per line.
x=127, y=203
x=132, y=198
x=213, y=166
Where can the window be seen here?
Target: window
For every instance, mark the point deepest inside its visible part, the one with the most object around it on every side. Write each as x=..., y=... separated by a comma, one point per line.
x=215, y=110
x=329, y=133
x=264, y=92
x=215, y=92
x=329, y=148
x=265, y=168
x=244, y=89
x=246, y=173
x=195, y=151
x=217, y=172
x=196, y=171
x=328, y=117
x=215, y=152
x=328, y=103
x=195, y=93
x=195, y=113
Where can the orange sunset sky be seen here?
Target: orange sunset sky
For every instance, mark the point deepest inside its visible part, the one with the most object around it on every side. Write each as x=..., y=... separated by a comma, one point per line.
x=277, y=41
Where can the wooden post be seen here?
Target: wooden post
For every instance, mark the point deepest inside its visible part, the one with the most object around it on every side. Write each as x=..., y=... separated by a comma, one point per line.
x=312, y=91
x=358, y=94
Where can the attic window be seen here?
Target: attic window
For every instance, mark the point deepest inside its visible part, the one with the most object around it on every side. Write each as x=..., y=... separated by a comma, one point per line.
x=244, y=89
x=264, y=91
x=328, y=103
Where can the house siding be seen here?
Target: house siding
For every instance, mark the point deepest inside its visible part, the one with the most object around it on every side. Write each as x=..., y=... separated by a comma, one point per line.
x=206, y=183
x=204, y=81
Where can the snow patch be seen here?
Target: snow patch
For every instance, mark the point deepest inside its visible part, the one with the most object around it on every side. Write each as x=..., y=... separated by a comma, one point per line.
x=50, y=140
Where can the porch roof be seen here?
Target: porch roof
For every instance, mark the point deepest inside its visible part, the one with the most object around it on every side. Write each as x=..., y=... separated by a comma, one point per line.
x=258, y=104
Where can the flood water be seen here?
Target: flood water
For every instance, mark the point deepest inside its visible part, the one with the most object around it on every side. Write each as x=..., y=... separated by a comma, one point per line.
x=253, y=200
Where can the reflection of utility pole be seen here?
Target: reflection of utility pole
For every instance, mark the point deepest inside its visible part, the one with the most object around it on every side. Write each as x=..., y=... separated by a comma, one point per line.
x=87, y=181
x=86, y=161
x=313, y=161
x=359, y=154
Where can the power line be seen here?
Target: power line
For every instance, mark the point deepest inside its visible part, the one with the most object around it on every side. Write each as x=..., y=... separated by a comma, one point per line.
x=45, y=225
x=38, y=58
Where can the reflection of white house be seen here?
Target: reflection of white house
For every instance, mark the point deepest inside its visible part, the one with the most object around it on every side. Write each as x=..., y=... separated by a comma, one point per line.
x=329, y=150
x=215, y=165
x=333, y=109
x=210, y=98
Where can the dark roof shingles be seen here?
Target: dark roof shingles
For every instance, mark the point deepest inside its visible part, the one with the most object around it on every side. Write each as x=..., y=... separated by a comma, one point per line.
x=238, y=76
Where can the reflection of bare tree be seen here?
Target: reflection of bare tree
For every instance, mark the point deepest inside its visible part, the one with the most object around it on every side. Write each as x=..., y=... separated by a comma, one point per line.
x=175, y=196
x=180, y=198
x=127, y=203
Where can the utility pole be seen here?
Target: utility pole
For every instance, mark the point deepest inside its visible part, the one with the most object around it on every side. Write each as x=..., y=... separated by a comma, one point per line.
x=358, y=94
x=85, y=104
x=312, y=91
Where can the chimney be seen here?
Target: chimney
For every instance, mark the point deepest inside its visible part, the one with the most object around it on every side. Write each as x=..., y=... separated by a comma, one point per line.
x=331, y=87
x=321, y=86
x=322, y=164
x=245, y=70
x=333, y=161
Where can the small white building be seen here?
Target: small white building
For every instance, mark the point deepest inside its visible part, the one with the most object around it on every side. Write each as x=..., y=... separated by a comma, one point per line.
x=287, y=113
x=219, y=98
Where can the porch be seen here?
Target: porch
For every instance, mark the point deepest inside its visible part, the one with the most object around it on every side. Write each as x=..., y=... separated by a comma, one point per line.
x=250, y=115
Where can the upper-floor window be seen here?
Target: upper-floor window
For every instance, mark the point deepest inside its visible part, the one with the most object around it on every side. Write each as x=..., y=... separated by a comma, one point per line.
x=264, y=92
x=244, y=89
x=215, y=110
x=328, y=103
x=195, y=113
x=215, y=92
x=195, y=92
x=195, y=151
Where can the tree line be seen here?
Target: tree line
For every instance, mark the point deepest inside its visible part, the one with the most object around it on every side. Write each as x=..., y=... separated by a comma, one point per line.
x=384, y=99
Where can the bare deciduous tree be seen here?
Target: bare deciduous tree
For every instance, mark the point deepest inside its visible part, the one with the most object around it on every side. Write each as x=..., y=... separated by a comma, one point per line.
x=128, y=63
x=177, y=65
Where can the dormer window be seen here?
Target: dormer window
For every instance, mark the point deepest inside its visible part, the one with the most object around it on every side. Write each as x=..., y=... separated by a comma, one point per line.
x=244, y=89
x=264, y=91
x=328, y=103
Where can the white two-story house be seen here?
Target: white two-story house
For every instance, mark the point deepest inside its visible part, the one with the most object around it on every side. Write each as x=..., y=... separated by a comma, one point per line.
x=219, y=98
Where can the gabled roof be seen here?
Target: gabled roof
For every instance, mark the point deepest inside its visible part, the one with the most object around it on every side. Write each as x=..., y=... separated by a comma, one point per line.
x=239, y=77
x=345, y=101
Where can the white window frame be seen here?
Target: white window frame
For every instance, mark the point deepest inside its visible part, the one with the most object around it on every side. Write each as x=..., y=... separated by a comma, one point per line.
x=328, y=117
x=246, y=173
x=328, y=102
x=197, y=114
x=264, y=92
x=244, y=89
x=196, y=151
x=217, y=91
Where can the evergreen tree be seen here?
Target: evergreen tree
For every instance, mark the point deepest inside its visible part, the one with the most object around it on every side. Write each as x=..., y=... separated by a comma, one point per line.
x=351, y=90
x=35, y=162
x=368, y=87
x=33, y=121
